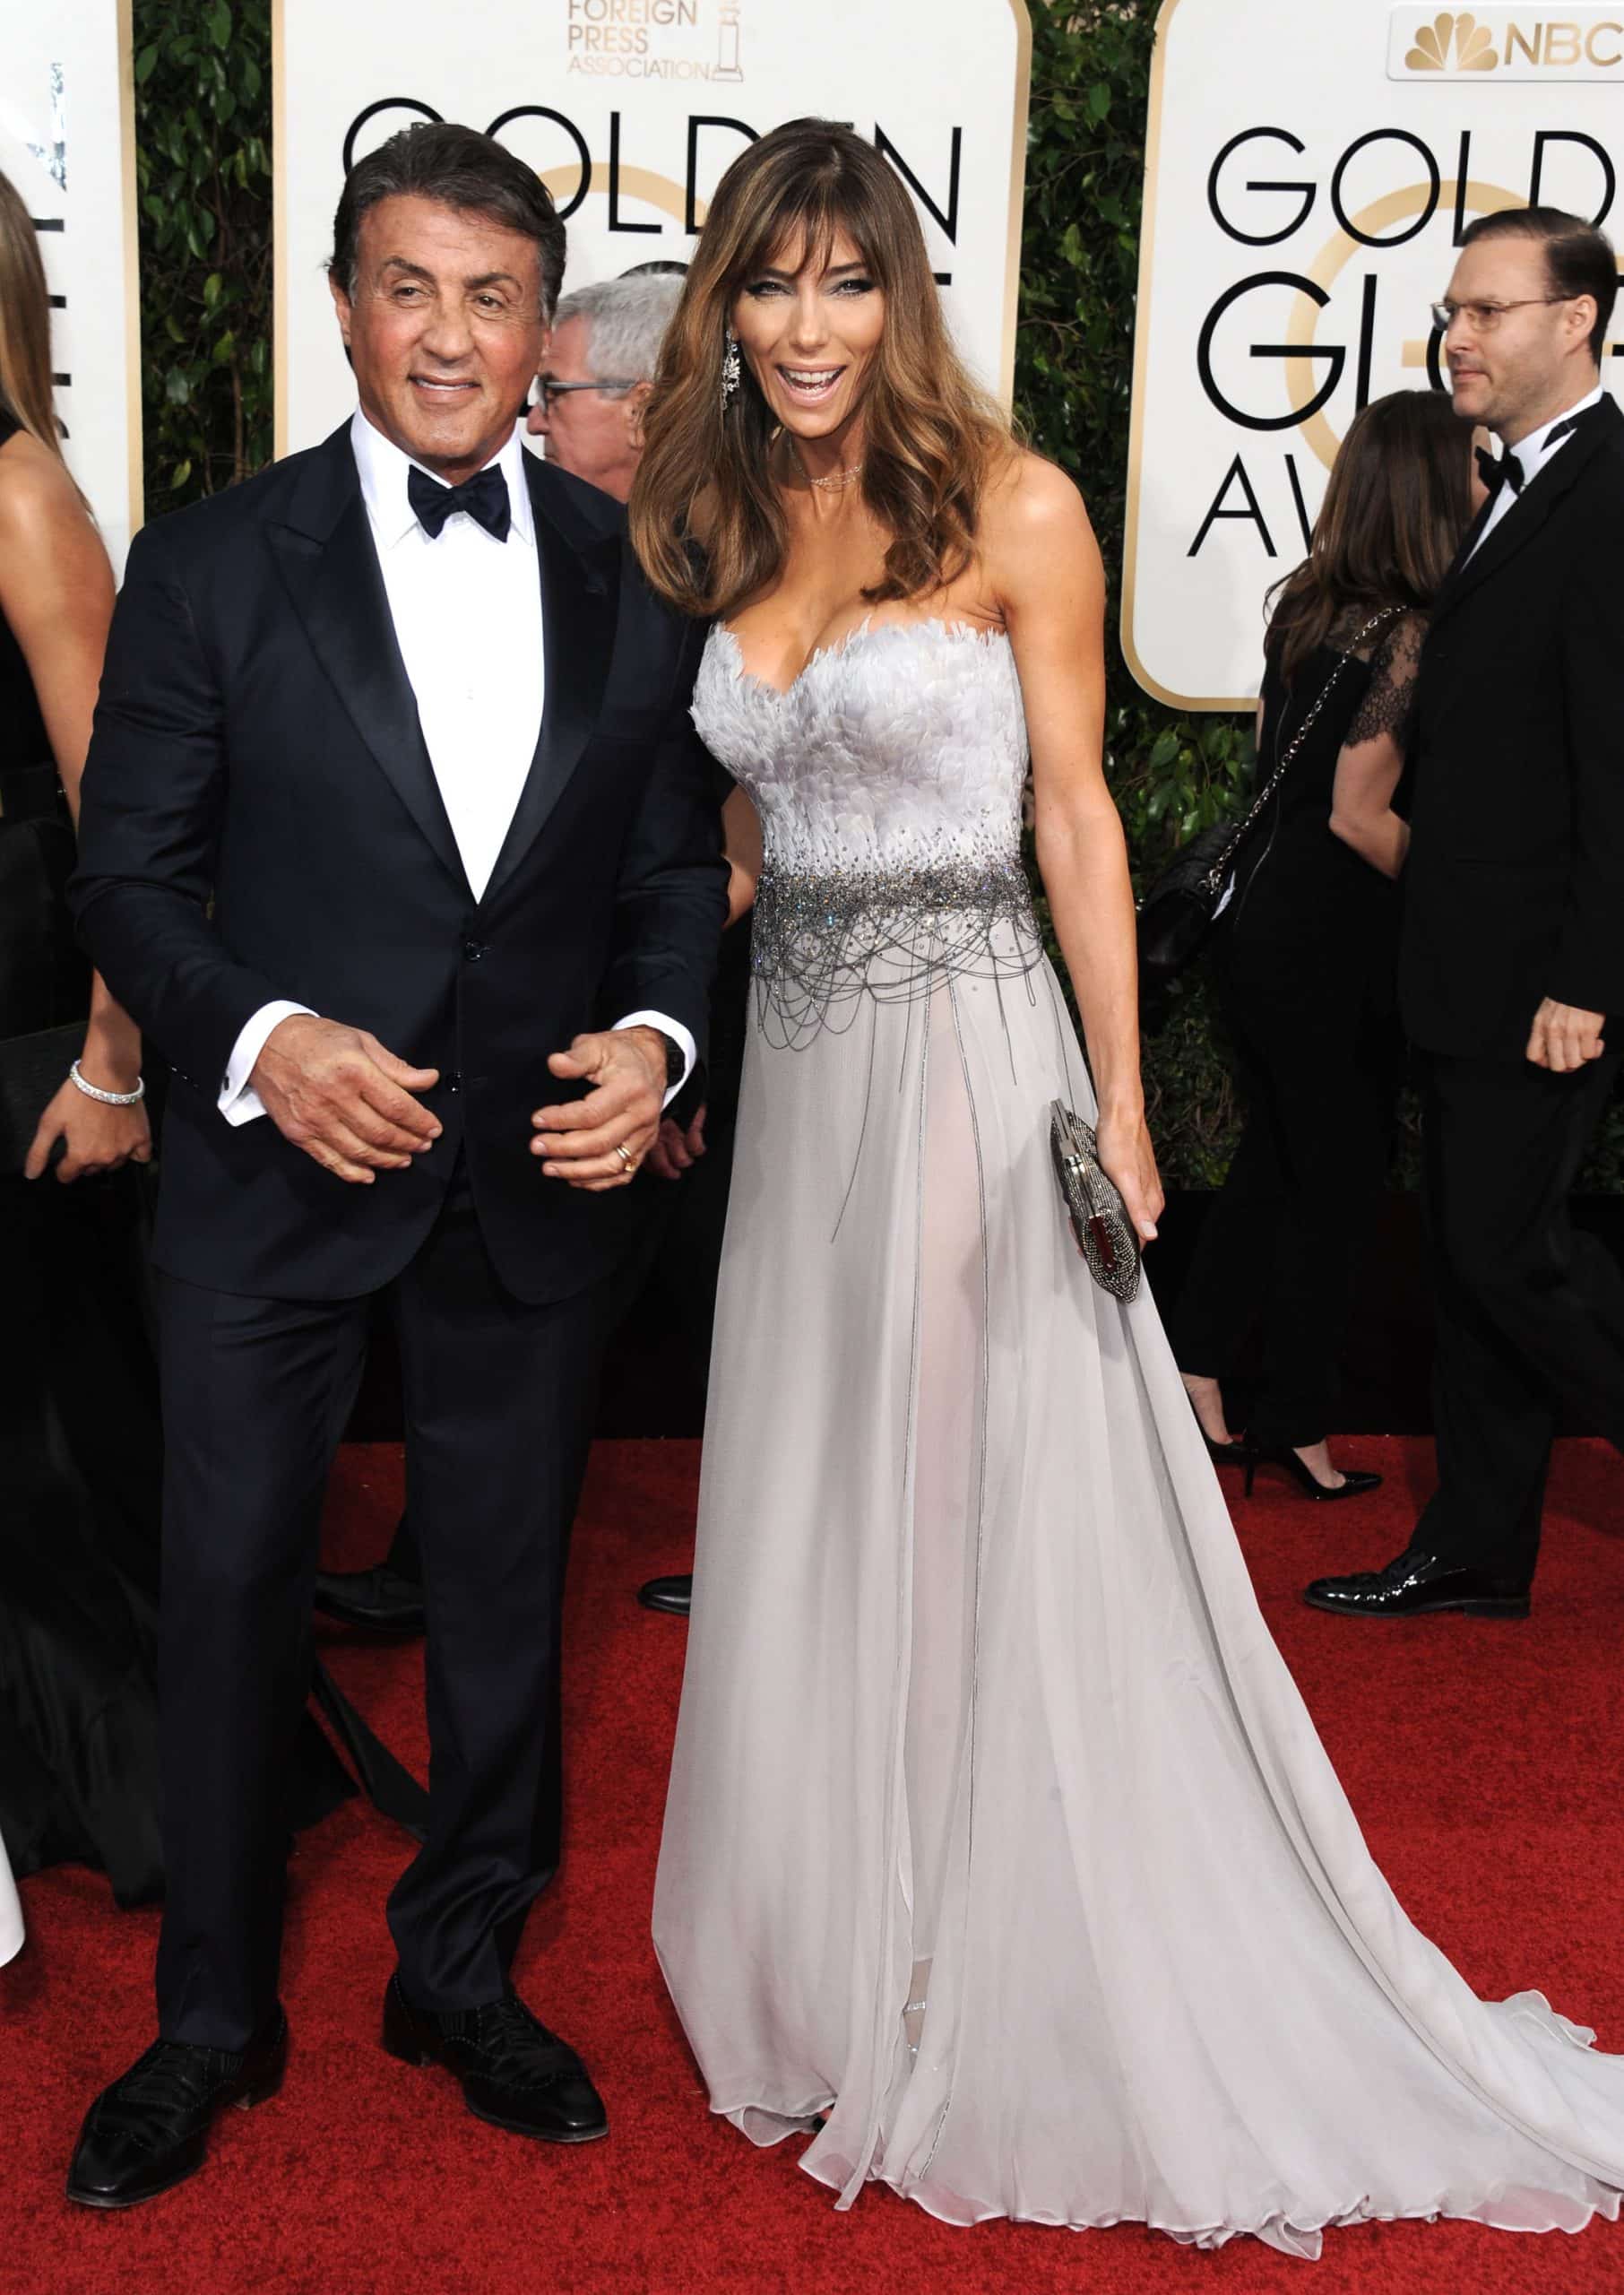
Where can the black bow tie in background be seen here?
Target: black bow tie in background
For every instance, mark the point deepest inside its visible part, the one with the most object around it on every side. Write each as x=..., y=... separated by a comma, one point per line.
x=1508, y=471
x=484, y=497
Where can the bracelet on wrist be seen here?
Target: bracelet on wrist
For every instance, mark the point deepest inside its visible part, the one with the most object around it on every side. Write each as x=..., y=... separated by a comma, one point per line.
x=107, y=1099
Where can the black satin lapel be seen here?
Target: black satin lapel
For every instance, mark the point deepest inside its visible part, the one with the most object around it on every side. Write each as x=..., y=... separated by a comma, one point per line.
x=1527, y=517
x=579, y=598
x=337, y=589
x=1462, y=560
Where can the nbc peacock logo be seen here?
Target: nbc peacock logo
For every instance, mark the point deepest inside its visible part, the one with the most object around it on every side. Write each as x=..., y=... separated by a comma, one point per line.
x=1472, y=44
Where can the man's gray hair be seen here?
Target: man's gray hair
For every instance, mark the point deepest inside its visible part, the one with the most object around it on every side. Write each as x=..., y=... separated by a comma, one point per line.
x=626, y=319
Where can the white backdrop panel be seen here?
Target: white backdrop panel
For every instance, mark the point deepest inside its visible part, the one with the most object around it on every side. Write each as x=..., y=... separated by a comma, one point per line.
x=631, y=110
x=65, y=144
x=1307, y=173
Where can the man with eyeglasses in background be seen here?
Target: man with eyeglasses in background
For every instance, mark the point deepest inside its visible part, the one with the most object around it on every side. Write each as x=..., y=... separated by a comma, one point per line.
x=590, y=393
x=1512, y=957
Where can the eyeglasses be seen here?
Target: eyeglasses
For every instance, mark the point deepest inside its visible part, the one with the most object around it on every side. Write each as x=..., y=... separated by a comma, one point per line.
x=546, y=392
x=1484, y=317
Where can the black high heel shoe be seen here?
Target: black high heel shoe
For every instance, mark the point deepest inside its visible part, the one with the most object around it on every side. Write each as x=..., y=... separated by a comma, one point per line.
x=1353, y=1484
x=1236, y=1452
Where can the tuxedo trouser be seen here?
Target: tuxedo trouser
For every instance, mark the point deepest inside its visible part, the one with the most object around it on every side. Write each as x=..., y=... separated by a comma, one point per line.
x=1529, y=1312
x=498, y=1399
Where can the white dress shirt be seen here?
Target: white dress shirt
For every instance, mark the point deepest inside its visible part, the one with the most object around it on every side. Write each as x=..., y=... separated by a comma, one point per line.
x=463, y=603
x=1532, y=453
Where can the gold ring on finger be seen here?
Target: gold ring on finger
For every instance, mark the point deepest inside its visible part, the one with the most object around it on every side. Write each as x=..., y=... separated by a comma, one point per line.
x=626, y=1158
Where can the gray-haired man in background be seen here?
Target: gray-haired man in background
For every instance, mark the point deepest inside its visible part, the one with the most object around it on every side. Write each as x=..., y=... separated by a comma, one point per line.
x=599, y=371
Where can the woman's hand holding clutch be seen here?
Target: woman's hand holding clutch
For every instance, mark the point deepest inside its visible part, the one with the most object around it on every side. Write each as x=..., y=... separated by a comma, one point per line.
x=1129, y=1161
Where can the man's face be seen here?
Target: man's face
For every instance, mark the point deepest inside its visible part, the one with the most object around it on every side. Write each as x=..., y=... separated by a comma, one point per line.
x=1512, y=371
x=596, y=435
x=445, y=330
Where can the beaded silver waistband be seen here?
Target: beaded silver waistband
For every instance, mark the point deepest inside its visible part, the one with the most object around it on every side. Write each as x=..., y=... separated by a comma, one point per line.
x=823, y=938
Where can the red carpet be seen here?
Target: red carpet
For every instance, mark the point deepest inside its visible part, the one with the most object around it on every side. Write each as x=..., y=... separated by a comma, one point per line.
x=1482, y=1758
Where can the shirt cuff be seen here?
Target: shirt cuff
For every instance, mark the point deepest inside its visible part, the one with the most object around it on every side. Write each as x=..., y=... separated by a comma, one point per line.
x=239, y=1102
x=679, y=1036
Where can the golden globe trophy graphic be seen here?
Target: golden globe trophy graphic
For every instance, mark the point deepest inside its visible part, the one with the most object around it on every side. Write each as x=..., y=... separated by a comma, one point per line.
x=1473, y=46
x=728, y=65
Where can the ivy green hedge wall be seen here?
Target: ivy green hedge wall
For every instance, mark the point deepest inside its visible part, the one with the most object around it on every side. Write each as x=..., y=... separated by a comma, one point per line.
x=202, y=72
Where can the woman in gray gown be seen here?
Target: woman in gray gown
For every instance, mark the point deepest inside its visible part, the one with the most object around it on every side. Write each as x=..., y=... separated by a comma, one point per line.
x=1001, y=1855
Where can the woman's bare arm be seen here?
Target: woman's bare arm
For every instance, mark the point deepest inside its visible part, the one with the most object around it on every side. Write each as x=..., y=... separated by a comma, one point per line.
x=1372, y=754
x=1361, y=802
x=1045, y=569
x=57, y=594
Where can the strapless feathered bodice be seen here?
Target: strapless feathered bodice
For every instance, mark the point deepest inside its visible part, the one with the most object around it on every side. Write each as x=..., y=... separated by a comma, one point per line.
x=888, y=780
x=903, y=746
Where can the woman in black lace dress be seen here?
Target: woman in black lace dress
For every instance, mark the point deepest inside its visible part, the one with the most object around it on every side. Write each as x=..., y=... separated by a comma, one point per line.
x=1305, y=952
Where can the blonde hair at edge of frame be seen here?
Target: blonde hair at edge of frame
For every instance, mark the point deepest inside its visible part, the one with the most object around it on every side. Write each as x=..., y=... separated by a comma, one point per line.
x=931, y=435
x=25, y=325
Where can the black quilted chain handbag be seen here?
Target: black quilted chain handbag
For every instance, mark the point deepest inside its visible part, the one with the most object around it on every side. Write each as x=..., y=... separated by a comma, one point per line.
x=1179, y=911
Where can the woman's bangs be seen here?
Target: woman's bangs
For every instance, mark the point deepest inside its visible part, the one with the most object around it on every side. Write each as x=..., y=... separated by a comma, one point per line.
x=800, y=232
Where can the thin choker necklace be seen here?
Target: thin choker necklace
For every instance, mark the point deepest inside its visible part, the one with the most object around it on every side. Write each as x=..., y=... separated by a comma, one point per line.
x=836, y=483
x=837, y=480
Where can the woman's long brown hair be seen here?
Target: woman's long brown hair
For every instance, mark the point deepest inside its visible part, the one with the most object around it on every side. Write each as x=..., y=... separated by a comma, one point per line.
x=25, y=325
x=1399, y=501
x=930, y=434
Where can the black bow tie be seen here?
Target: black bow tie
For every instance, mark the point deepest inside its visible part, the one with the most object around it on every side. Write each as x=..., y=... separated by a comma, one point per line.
x=484, y=497
x=1495, y=471
x=1508, y=471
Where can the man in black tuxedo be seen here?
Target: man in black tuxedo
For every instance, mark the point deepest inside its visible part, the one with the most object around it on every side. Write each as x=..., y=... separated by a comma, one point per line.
x=1512, y=953
x=392, y=795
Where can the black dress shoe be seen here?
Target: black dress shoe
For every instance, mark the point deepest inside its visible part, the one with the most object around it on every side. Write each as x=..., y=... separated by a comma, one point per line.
x=514, y=2073
x=1416, y=1584
x=151, y=2129
x=378, y=1600
x=673, y=1595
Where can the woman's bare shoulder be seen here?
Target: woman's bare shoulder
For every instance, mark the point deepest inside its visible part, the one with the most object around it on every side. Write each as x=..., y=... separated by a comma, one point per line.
x=1029, y=500
x=54, y=569
x=39, y=504
x=1034, y=527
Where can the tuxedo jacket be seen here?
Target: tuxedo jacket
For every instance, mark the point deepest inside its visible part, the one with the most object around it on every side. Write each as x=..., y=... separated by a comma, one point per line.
x=260, y=820
x=1514, y=887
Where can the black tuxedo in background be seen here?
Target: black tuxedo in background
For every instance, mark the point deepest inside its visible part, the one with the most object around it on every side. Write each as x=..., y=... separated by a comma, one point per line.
x=262, y=821
x=1514, y=891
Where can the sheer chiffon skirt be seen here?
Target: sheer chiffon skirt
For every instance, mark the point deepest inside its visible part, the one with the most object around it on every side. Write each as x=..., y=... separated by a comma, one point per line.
x=1001, y=1854
x=10, y=1913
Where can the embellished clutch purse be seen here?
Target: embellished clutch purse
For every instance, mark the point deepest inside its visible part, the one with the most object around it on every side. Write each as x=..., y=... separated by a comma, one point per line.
x=1098, y=1218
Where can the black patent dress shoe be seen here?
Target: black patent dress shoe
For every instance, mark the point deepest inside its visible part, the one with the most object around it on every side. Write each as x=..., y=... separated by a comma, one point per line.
x=378, y=1600
x=150, y=2130
x=673, y=1595
x=1416, y=1584
x=514, y=2073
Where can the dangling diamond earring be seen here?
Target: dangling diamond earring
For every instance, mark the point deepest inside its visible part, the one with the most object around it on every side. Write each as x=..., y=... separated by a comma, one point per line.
x=730, y=369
